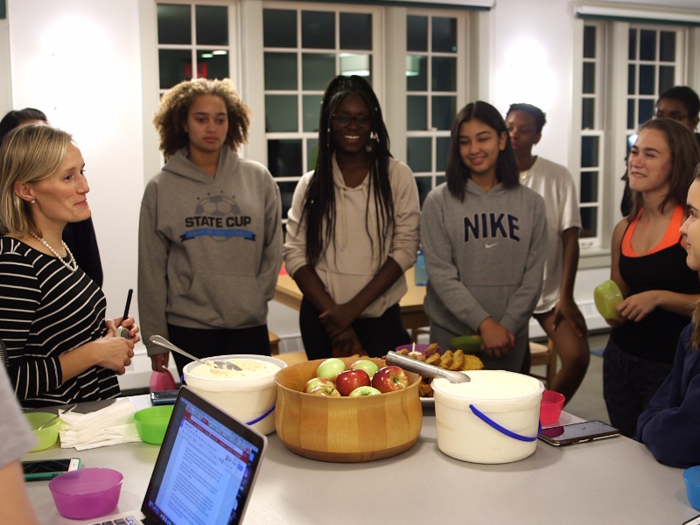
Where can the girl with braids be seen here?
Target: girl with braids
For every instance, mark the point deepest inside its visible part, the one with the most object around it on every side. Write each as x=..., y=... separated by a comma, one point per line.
x=670, y=426
x=352, y=230
x=485, y=242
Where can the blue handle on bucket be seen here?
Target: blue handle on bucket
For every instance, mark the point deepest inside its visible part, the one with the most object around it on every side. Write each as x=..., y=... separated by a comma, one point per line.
x=261, y=417
x=486, y=419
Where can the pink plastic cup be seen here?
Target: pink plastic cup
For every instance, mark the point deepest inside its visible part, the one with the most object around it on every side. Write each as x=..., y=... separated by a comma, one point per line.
x=550, y=409
x=86, y=494
x=162, y=381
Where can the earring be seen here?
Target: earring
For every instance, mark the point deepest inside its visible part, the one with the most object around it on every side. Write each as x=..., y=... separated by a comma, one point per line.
x=32, y=201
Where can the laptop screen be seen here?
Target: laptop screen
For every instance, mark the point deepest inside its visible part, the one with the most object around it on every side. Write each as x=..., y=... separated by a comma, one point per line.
x=206, y=467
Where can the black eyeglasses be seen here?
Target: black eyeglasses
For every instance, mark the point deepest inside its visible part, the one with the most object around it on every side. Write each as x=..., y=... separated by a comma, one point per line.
x=671, y=116
x=360, y=120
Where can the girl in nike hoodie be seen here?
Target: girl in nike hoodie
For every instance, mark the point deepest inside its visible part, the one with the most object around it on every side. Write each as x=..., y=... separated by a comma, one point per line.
x=485, y=243
x=210, y=235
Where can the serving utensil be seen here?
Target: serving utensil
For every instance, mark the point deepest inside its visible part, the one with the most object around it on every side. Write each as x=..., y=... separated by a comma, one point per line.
x=424, y=369
x=162, y=341
x=57, y=416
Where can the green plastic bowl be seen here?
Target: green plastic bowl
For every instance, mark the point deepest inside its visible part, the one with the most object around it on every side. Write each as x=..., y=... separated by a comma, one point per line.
x=607, y=298
x=151, y=423
x=469, y=344
x=48, y=435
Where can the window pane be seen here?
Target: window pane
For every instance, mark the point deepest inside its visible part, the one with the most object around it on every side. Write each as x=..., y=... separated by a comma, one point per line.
x=441, y=153
x=589, y=186
x=212, y=64
x=589, y=222
x=174, y=66
x=425, y=184
x=444, y=74
x=279, y=28
x=312, y=111
x=287, y=193
x=589, y=152
x=588, y=113
x=444, y=35
x=280, y=71
x=589, y=77
x=589, y=41
x=631, y=139
x=355, y=31
x=647, y=80
x=284, y=157
x=417, y=33
x=667, y=42
x=174, y=24
x=318, y=29
x=281, y=113
x=666, y=77
x=444, y=110
x=417, y=113
x=630, y=114
x=646, y=110
x=631, y=79
x=317, y=70
x=360, y=65
x=416, y=73
x=311, y=154
x=633, y=44
x=419, y=154
x=439, y=180
x=212, y=25
x=647, y=45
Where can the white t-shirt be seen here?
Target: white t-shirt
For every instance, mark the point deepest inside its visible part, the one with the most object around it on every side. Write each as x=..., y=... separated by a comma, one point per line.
x=555, y=183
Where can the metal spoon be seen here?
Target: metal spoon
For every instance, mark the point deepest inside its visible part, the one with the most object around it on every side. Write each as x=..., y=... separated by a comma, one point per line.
x=162, y=341
x=57, y=416
x=424, y=369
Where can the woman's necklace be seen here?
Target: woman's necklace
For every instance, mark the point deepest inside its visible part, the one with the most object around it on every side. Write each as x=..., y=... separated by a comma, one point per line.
x=72, y=266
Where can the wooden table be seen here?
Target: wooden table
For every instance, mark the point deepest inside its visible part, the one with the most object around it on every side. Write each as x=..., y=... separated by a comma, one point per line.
x=411, y=304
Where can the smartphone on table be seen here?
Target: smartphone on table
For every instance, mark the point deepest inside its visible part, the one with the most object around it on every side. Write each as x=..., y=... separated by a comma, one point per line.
x=48, y=468
x=578, y=433
x=164, y=397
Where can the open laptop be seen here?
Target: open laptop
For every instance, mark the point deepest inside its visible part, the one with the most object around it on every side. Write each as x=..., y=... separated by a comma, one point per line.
x=205, y=471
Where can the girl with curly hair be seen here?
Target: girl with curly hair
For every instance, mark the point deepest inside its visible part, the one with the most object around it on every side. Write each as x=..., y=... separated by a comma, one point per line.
x=210, y=234
x=352, y=230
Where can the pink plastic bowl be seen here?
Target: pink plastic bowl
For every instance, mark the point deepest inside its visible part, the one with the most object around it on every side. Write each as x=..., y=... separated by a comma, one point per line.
x=87, y=493
x=162, y=381
x=550, y=409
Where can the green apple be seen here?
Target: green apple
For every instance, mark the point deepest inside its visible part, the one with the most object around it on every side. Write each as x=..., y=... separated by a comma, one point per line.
x=330, y=368
x=365, y=391
x=368, y=366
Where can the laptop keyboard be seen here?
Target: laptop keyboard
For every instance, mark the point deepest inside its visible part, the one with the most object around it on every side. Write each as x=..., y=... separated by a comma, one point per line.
x=128, y=520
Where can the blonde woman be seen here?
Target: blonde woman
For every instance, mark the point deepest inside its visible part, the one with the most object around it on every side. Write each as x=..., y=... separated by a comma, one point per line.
x=60, y=348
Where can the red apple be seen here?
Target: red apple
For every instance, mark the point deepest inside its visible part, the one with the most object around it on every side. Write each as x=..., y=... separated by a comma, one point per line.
x=330, y=368
x=389, y=379
x=368, y=366
x=323, y=390
x=365, y=391
x=349, y=380
x=317, y=382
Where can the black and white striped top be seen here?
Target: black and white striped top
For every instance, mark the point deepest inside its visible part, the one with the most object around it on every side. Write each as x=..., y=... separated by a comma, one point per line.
x=45, y=311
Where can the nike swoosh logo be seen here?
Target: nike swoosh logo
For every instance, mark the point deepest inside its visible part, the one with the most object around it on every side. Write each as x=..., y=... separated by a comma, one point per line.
x=491, y=245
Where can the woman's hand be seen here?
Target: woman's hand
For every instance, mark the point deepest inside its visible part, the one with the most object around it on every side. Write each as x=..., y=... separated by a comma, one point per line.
x=337, y=319
x=615, y=322
x=159, y=362
x=636, y=307
x=497, y=340
x=348, y=343
x=129, y=323
x=114, y=353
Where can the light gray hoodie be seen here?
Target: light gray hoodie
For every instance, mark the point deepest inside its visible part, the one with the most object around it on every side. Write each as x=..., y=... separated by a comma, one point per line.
x=210, y=248
x=485, y=258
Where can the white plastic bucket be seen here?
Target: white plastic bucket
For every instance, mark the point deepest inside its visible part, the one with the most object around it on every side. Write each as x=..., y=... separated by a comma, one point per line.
x=251, y=400
x=495, y=418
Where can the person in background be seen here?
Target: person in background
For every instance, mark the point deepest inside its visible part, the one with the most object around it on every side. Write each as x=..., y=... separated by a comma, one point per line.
x=679, y=103
x=210, y=233
x=670, y=426
x=352, y=230
x=556, y=311
x=79, y=236
x=60, y=348
x=485, y=242
x=648, y=265
x=17, y=440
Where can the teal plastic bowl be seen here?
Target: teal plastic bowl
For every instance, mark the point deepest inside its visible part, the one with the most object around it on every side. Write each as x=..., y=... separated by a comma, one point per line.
x=48, y=435
x=151, y=423
x=692, y=485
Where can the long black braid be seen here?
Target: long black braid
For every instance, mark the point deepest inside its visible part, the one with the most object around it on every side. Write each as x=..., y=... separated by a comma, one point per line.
x=320, y=195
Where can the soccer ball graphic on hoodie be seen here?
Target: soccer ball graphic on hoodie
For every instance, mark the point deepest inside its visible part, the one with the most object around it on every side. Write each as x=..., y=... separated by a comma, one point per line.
x=217, y=206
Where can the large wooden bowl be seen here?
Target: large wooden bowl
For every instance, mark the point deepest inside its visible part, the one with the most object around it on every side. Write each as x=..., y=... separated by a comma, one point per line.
x=345, y=429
